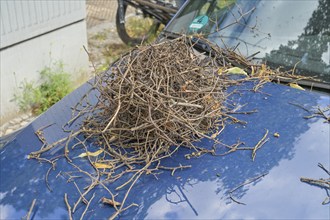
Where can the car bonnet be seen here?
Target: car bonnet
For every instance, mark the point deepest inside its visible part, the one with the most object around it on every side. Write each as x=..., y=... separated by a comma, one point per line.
x=228, y=187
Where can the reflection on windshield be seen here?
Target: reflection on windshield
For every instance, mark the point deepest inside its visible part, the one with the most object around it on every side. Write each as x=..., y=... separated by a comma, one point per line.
x=289, y=34
x=310, y=51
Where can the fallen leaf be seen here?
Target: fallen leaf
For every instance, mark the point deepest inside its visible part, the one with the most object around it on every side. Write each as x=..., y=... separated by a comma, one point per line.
x=236, y=70
x=276, y=134
x=296, y=86
x=102, y=165
x=91, y=154
x=110, y=202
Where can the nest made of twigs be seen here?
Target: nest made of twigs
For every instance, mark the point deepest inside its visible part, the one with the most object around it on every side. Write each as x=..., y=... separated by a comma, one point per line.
x=151, y=102
x=158, y=96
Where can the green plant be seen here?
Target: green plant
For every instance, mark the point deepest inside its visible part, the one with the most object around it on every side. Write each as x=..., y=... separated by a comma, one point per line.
x=100, y=36
x=53, y=86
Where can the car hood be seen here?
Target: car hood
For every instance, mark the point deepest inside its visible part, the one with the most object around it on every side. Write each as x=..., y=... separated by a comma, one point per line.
x=202, y=191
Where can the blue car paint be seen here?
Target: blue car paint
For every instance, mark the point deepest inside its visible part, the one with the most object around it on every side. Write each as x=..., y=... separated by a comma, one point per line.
x=201, y=191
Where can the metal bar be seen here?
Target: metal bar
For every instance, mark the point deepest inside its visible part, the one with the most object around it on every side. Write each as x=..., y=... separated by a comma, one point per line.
x=154, y=5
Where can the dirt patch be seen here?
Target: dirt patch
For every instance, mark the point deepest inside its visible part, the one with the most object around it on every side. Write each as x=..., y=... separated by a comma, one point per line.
x=104, y=44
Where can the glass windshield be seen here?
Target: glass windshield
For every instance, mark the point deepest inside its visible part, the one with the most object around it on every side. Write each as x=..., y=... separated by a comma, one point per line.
x=291, y=34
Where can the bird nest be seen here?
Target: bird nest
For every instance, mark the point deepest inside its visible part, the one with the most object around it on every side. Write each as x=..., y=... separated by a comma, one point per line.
x=157, y=98
x=151, y=102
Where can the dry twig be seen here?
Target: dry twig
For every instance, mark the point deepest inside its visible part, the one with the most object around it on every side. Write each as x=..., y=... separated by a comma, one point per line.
x=28, y=215
x=243, y=184
x=68, y=206
x=322, y=183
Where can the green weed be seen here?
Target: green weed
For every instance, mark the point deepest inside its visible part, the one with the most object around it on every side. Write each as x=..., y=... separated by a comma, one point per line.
x=53, y=86
x=100, y=36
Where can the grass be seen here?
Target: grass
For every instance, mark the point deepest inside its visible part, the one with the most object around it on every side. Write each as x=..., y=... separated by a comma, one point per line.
x=101, y=36
x=54, y=84
x=139, y=26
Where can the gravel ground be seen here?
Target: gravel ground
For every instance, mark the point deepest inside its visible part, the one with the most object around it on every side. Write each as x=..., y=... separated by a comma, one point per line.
x=103, y=41
x=16, y=123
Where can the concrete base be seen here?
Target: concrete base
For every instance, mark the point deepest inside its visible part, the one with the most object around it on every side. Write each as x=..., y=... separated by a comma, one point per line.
x=25, y=60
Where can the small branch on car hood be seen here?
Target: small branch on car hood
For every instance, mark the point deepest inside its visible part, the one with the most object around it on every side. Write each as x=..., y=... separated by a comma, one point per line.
x=322, y=183
x=262, y=141
x=68, y=206
x=243, y=184
x=28, y=215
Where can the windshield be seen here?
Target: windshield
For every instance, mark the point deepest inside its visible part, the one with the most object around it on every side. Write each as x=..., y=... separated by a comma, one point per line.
x=288, y=34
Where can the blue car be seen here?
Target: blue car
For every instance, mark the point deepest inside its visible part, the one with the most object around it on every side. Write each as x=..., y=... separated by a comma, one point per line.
x=288, y=177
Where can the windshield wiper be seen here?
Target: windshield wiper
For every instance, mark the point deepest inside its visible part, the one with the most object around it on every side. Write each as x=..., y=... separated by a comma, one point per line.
x=168, y=35
x=201, y=46
x=197, y=43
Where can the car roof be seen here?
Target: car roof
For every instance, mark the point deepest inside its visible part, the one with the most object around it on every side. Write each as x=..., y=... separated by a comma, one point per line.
x=214, y=186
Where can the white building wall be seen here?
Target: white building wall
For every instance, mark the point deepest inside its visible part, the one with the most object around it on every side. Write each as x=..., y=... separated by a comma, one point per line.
x=34, y=34
x=23, y=19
